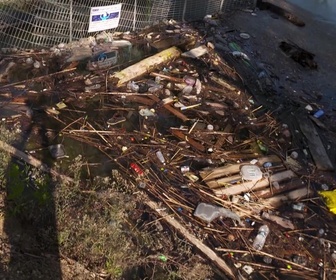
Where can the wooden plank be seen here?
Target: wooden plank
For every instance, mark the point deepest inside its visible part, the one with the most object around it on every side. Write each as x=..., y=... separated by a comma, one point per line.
x=235, y=179
x=144, y=66
x=231, y=180
x=297, y=194
x=316, y=146
x=295, y=183
x=180, y=134
x=171, y=109
x=220, y=263
x=226, y=170
x=252, y=186
x=141, y=100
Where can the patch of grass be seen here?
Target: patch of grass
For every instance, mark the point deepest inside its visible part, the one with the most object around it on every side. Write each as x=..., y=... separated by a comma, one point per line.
x=101, y=223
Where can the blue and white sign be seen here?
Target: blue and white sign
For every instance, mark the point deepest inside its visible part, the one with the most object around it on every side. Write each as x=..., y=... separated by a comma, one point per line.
x=105, y=17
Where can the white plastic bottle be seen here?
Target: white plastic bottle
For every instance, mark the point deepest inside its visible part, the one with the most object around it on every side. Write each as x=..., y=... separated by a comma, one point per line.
x=160, y=157
x=260, y=239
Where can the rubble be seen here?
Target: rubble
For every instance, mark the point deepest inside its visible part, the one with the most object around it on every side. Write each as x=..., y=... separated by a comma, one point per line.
x=182, y=127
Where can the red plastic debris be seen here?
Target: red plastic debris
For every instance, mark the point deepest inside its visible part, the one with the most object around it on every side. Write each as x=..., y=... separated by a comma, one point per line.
x=136, y=168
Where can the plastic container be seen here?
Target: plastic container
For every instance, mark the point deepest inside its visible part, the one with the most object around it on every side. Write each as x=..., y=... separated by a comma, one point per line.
x=267, y=259
x=251, y=173
x=210, y=127
x=260, y=239
x=160, y=157
x=57, y=151
x=132, y=86
x=208, y=213
x=301, y=207
x=301, y=260
x=319, y=113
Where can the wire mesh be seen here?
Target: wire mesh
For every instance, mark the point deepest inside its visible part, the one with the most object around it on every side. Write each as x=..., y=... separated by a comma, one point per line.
x=43, y=23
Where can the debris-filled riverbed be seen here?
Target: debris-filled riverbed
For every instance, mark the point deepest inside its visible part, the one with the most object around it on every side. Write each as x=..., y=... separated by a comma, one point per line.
x=187, y=116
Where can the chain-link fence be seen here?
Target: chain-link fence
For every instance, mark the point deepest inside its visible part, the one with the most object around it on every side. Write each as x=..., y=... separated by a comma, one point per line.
x=41, y=23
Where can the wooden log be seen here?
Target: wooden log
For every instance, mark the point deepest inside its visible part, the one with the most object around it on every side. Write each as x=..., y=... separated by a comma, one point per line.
x=220, y=263
x=168, y=78
x=250, y=185
x=144, y=66
x=38, y=78
x=176, y=112
x=169, y=108
x=295, y=183
x=297, y=194
x=32, y=161
x=315, y=144
x=222, y=83
x=179, y=134
x=226, y=170
x=141, y=100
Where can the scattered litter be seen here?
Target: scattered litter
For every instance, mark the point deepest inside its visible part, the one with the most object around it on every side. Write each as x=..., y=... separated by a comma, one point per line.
x=251, y=172
x=209, y=213
x=319, y=114
x=260, y=239
x=245, y=36
x=330, y=199
x=57, y=151
x=196, y=52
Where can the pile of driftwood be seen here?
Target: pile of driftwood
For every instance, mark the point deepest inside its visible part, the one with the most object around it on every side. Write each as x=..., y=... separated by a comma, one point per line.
x=216, y=165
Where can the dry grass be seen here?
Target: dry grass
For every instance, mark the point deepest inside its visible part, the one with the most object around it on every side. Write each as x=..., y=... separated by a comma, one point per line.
x=101, y=225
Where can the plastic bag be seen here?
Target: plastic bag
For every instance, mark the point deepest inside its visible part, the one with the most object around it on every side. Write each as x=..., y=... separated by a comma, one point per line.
x=208, y=213
x=329, y=199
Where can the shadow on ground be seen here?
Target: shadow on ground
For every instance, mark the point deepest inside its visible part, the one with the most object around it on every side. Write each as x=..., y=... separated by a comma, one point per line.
x=30, y=228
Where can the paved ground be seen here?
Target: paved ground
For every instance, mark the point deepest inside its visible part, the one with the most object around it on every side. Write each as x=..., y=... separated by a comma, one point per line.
x=267, y=30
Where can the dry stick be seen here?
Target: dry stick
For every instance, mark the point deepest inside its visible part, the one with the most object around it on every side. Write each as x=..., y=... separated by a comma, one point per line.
x=213, y=133
x=265, y=254
x=275, y=268
x=38, y=78
x=70, y=124
x=32, y=161
x=168, y=78
x=300, y=230
x=90, y=131
x=196, y=242
x=177, y=202
x=100, y=135
x=318, y=238
x=125, y=93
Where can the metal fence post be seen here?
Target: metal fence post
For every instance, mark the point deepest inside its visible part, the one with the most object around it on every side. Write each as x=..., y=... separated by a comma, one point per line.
x=70, y=18
x=134, y=14
x=221, y=5
x=184, y=10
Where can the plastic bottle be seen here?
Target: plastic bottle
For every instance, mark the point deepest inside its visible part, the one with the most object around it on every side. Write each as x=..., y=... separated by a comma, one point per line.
x=300, y=260
x=260, y=239
x=136, y=168
x=132, y=86
x=160, y=157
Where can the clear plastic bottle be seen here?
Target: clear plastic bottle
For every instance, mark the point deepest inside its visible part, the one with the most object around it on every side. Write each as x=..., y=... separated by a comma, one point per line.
x=160, y=157
x=260, y=239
